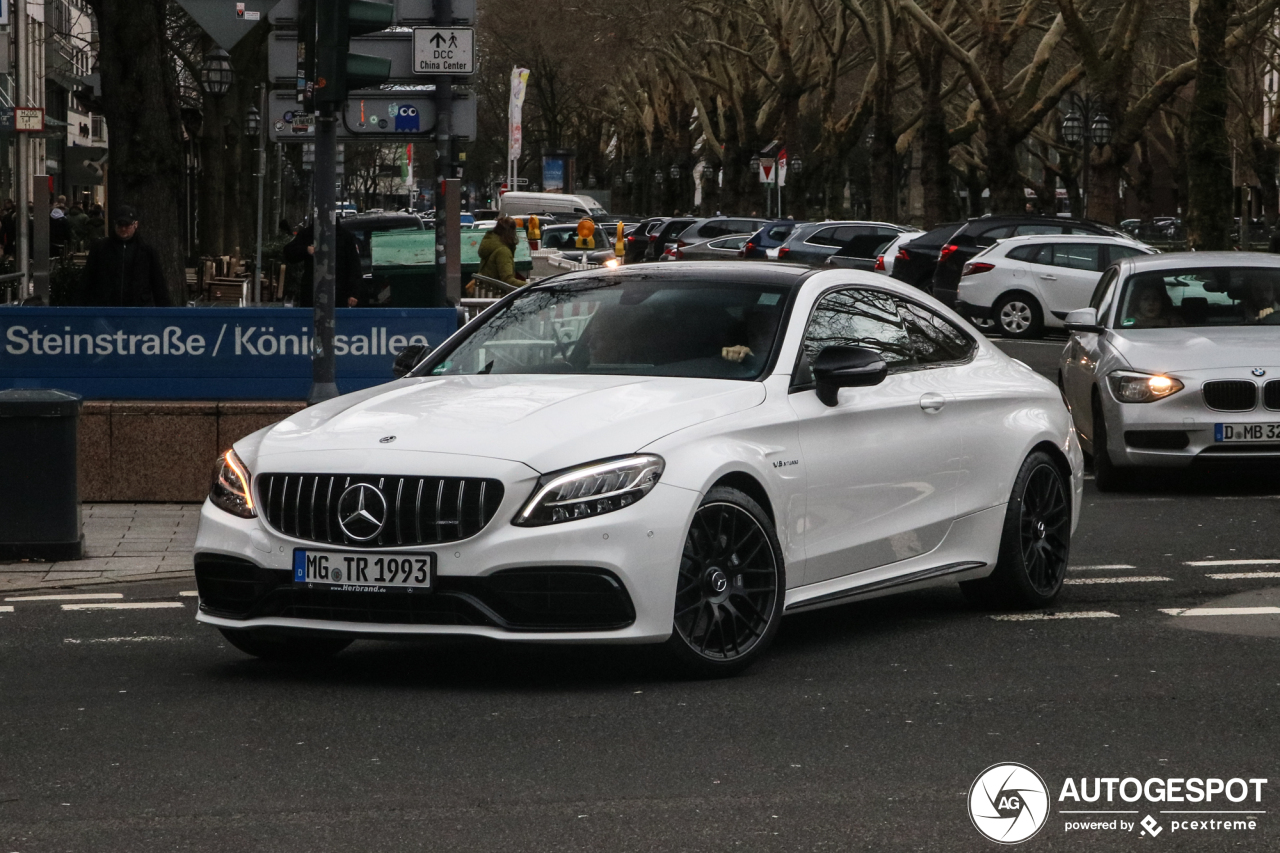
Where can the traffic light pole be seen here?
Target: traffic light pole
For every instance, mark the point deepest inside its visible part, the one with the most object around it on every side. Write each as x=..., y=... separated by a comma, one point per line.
x=447, y=221
x=324, y=385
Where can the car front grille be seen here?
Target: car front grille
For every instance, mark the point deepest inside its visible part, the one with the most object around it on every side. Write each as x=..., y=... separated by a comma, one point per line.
x=536, y=598
x=413, y=510
x=1271, y=394
x=1231, y=395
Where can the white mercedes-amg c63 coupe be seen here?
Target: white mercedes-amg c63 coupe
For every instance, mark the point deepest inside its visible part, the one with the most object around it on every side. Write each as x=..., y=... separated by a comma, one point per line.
x=679, y=454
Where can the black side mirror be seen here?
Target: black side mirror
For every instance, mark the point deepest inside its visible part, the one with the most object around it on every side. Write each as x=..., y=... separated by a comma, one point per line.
x=846, y=367
x=409, y=358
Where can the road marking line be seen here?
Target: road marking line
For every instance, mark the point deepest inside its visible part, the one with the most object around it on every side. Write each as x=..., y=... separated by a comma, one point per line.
x=143, y=639
x=80, y=597
x=1142, y=579
x=188, y=593
x=1222, y=611
x=6, y=608
x=1243, y=576
x=128, y=605
x=1233, y=563
x=1102, y=568
x=1035, y=617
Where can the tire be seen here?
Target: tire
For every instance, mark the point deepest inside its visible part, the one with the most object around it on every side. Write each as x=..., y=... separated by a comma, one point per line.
x=730, y=588
x=1035, y=543
x=1018, y=316
x=1107, y=476
x=293, y=647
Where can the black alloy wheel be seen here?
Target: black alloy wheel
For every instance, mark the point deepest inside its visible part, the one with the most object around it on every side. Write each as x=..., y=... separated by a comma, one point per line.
x=730, y=590
x=298, y=648
x=1035, y=543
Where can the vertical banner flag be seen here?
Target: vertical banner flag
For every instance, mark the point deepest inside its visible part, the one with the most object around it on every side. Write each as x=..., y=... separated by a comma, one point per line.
x=519, y=79
x=782, y=168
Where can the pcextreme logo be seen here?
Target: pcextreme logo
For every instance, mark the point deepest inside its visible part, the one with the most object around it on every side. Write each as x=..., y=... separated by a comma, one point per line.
x=1009, y=803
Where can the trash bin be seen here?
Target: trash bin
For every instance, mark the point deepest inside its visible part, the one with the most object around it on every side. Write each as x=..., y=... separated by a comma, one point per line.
x=39, y=487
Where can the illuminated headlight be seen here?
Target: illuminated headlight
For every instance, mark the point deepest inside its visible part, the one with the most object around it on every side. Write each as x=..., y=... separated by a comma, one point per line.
x=1142, y=387
x=611, y=263
x=590, y=490
x=230, y=491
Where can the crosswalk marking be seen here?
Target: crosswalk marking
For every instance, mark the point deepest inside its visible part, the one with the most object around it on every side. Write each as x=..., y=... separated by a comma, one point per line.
x=1142, y=579
x=1232, y=563
x=68, y=597
x=127, y=605
x=188, y=593
x=1243, y=576
x=1221, y=611
x=1102, y=568
x=6, y=608
x=1045, y=617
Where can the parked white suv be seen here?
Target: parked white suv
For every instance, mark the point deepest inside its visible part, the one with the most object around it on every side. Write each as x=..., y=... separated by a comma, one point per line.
x=1025, y=284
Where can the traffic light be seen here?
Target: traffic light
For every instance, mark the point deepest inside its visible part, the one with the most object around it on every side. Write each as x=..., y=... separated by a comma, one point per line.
x=337, y=69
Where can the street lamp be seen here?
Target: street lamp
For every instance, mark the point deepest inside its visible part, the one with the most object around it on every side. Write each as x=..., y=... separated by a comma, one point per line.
x=657, y=176
x=755, y=164
x=216, y=74
x=675, y=172
x=796, y=165
x=630, y=176
x=252, y=122
x=1086, y=124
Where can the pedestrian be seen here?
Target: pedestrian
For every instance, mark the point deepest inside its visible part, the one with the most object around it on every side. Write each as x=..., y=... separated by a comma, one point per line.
x=59, y=232
x=96, y=227
x=9, y=228
x=1274, y=246
x=497, y=253
x=78, y=222
x=348, y=278
x=285, y=229
x=60, y=203
x=123, y=270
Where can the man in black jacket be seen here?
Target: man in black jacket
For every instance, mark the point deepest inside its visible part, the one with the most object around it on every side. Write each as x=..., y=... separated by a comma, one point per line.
x=123, y=270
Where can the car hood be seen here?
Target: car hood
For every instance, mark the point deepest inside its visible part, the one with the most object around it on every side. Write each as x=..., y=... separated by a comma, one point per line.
x=1183, y=349
x=545, y=422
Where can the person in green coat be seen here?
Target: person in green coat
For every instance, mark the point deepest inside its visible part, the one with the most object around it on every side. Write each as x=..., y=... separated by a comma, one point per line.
x=497, y=253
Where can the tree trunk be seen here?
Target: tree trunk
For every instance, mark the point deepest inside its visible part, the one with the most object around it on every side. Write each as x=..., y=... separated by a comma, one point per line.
x=1105, y=204
x=213, y=180
x=884, y=183
x=140, y=103
x=1263, y=159
x=935, y=147
x=1209, y=190
x=1004, y=177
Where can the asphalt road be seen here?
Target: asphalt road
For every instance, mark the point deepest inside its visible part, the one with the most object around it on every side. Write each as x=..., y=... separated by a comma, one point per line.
x=863, y=729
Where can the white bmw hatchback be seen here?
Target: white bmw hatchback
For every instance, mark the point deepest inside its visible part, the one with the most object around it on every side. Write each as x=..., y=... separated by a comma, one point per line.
x=674, y=454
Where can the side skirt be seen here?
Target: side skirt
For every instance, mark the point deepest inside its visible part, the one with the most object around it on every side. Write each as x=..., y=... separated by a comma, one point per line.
x=880, y=586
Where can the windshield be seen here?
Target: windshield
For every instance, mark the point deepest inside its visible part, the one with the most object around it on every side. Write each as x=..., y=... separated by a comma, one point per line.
x=1227, y=296
x=634, y=328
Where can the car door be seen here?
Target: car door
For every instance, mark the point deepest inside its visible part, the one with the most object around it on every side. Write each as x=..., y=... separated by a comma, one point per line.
x=1077, y=267
x=881, y=463
x=1081, y=356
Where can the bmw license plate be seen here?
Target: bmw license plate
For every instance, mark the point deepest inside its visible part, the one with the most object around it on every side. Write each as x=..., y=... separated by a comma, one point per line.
x=355, y=572
x=1246, y=432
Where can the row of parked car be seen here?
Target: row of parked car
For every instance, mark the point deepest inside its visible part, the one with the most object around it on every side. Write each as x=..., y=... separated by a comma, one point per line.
x=1022, y=273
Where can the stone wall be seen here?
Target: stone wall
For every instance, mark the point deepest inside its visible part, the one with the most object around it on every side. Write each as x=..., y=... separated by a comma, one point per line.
x=163, y=450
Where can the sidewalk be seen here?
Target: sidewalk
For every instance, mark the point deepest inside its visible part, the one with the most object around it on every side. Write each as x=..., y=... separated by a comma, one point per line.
x=123, y=542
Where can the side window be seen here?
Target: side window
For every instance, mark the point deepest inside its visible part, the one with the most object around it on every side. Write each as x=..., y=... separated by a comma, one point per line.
x=779, y=233
x=1025, y=230
x=824, y=237
x=857, y=318
x=933, y=339
x=989, y=237
x=1077, y=256
x=1024, y=253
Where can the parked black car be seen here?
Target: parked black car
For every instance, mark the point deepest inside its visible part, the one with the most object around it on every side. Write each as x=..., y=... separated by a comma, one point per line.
x=665, y=234
x=637, y=239
x=917, y=260
x=861, y=253
x=978, y=234
x=772, y=236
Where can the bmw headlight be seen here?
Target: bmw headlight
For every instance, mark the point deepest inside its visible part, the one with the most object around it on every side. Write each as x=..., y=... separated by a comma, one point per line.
x=231, y=482
x=1130, y=387
x=590, y=490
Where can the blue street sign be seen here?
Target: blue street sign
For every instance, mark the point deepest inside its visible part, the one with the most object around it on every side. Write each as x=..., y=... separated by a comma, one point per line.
x=203, y=353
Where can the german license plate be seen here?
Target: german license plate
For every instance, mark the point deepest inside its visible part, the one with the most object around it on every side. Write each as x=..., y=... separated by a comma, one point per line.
x=1246, y=432
x=357, y=572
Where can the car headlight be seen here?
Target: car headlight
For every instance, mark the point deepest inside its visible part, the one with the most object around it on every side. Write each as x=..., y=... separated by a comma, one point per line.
x=231, y=486
x=1142, y=387
x=590, y=490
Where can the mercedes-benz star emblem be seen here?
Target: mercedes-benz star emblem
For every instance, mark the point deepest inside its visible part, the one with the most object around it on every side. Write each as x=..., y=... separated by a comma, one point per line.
x=362, y=511
x=1258, y=371
x=387, y=439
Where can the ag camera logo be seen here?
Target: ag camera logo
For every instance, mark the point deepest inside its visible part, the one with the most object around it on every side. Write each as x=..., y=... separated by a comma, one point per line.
x=1008, y=803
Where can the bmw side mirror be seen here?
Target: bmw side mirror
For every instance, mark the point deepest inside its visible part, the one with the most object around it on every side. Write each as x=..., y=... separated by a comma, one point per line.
x=846, y=367
x=1083, y=320
x=409, y=358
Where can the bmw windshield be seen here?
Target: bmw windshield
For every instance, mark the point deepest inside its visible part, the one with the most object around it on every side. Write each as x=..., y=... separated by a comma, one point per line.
x=712, y=330
x=1226, y=296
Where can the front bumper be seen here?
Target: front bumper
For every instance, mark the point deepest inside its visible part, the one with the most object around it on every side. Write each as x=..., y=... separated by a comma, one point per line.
x=1182, y=429
x=605, y=579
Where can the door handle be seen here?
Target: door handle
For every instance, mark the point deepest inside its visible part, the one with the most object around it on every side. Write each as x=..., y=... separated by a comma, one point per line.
x=1048, y=277
x=932, y=402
